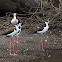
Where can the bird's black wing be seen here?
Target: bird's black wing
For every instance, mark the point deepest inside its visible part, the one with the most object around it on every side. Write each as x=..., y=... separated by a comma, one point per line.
x=8, y=32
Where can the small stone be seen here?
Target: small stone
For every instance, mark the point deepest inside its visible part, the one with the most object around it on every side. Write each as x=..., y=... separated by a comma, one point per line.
x=59, y=31
x=38, y=27
x=7, y=49
x=49, y=56
x=60, y=34
x=2, y=59
x=47, y=36
x=45, y=40
x=24, y=41
x=55, y=43
x=26, y=49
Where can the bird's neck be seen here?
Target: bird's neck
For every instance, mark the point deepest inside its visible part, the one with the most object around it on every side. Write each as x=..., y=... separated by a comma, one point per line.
x=14, y=17
x=47, y=25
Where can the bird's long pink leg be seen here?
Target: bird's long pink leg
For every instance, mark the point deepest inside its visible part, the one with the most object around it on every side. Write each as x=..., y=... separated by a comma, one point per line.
x=10, y=49
x=15, y=49
x=13, y=46
x=14, y=39
x=17, y=40
x=42, y=43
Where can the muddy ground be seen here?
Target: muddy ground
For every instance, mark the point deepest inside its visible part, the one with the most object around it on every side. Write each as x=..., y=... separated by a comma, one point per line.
x=29, y=47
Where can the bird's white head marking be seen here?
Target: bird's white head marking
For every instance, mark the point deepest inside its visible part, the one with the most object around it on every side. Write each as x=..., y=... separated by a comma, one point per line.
x=14, y=14
x=47, y=22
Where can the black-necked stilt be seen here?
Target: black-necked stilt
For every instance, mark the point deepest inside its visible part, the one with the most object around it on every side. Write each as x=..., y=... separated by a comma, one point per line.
x=12, y=34
x=43, y=31
x=14, y=20
x=18, y=27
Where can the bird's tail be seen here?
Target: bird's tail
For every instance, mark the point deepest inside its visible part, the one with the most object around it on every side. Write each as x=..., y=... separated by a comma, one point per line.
x=38, y=31
x=7, y=36
x=4, y=35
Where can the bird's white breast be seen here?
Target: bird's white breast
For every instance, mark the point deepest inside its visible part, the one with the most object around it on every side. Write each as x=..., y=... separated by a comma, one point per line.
x=13, y=33
x=14, y=21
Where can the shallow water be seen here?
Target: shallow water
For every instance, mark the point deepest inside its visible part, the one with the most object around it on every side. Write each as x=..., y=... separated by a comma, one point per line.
x=53, y=56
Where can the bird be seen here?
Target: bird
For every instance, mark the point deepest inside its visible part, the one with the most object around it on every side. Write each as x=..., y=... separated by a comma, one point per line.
x=12, y=34
x=18, y=27
x=45, y=29
x=14, y=21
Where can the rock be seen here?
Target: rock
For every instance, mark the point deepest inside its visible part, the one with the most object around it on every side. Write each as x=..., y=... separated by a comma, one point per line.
x=60, y=34
x=59, y=31
x=2, y=59
x=55, y=43
x=49, y=56
x=27, y=49
x=7, y=49
x=47, y=36
x=45, y=41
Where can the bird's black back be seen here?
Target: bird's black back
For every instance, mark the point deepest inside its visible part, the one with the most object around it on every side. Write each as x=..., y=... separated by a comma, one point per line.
x=8, y=32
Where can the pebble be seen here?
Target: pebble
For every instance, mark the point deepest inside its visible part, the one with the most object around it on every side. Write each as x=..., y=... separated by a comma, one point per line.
x=2, y=59
x=47, y=36
x=31, y=37
x=45, y=40
x=26, y=49
x=55, y=43
x=7, y=49
x=50, y=32
x=59, y=31
x=49, y=56
x=61, y=35
x=24, y=41
x=38, y=27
